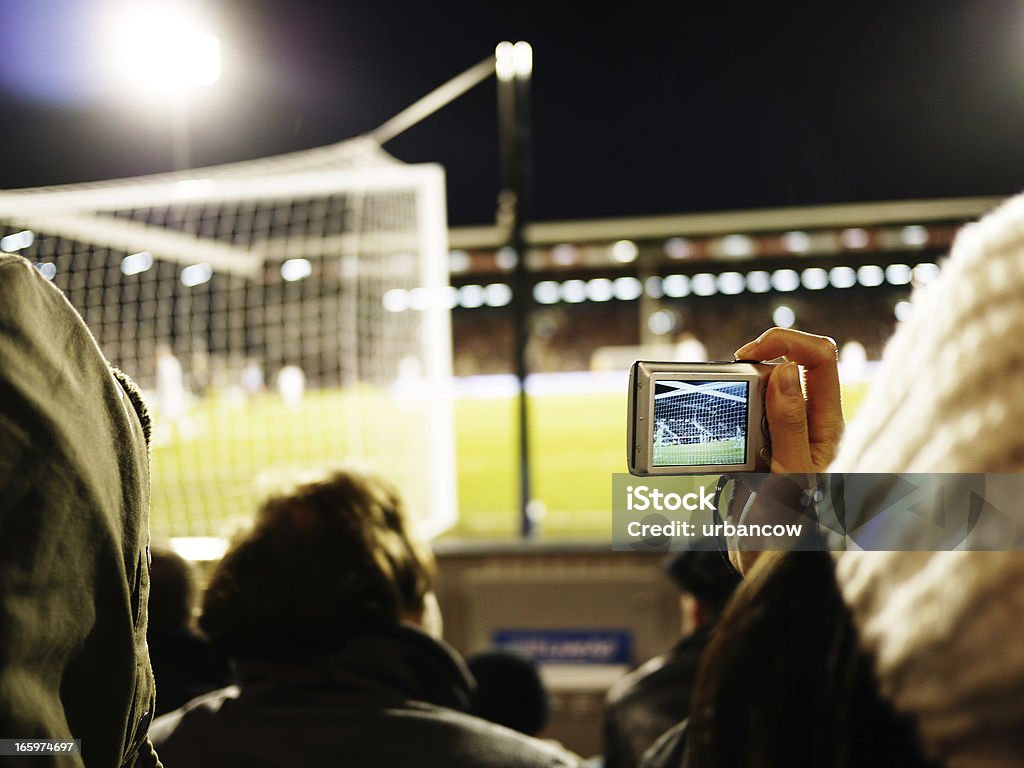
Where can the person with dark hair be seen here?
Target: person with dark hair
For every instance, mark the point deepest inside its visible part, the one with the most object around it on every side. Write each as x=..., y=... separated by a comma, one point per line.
x=184, y=663
x=864, y=658
x=655, y=696
x=509, y=691
x=74, y=534
x=326, y=607
x=784, y=681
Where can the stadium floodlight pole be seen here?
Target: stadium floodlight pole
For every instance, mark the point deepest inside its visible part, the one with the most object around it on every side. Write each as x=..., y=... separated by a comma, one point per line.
x=514, y=66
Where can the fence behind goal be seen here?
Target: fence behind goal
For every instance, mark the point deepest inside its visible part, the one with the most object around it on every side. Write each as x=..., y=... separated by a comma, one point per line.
x=248, y=301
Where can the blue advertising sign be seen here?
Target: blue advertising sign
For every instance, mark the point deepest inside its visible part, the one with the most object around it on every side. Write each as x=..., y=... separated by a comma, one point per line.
x=568, y=646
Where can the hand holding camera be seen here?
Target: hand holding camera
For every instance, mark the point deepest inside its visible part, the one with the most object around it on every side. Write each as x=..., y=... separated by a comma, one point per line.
x=806, y=422
x=742, y=416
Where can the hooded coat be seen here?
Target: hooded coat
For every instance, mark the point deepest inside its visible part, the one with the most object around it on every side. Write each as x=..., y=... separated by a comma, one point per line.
x=74, y=534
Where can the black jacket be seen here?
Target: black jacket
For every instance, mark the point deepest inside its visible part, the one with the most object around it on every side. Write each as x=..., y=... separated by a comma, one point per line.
x=650, y=700
x=392, y=698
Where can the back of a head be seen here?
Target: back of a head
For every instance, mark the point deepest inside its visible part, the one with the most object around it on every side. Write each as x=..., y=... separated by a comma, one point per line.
x=947, y=394
x=707, y=576
x=171, y=590
x=784, y=683
x=324, y=561
x=509, y=691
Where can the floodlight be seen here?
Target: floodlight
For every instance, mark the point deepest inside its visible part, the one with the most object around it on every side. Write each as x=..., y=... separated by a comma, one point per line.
x=160, y=49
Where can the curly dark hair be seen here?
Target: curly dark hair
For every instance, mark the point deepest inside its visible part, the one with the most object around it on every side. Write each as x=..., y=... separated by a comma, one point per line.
x=323, y=562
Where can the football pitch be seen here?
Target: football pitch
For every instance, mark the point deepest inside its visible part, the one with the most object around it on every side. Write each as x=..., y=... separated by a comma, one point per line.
x=578, y=442
x=732, y=451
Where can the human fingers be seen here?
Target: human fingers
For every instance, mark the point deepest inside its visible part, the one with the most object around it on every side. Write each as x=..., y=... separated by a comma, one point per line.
x=818, y=356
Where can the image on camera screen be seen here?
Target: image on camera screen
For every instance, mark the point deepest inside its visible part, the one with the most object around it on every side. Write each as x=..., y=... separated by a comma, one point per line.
x=700, y=423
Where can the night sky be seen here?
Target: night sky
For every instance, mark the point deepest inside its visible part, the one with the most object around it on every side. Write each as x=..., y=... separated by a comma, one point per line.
x=652, y=109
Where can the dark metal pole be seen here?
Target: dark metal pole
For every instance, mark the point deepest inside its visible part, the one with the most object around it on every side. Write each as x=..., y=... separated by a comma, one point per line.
x=514, y=67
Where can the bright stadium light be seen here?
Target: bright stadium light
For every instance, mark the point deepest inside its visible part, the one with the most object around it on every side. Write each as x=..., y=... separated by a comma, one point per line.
x=870, y=275
x=497, y=295
x=796, y=242
x=546, y=292
x=704, y=284
x=627, y=288
x=854, y=238
x=506, y=258
x=784, y=316
x=17, y=241
x=47, y=269
x=513, y=60
x=396, y=300
x=731, y=283
x=678, y=248
x=472, y=296
x=522, y=59
x=136, y=263
x=842, y=277
x=925, y=273
x=564, y=255
x=625, y=251
x=814, y=278
x=599, y=289
x=296, y=269
x=676, y=286
x=662, y=321
x=902, y=310
x=459, y=261
x=197, y=274
x=737, y=246
x=785, y=280
x=759, y=281
x=914, y=235
x=160, y=49
x=574, y=291
x=898, y=274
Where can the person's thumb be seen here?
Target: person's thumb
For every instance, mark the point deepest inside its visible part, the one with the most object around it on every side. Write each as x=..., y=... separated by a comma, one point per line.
x=787, y=421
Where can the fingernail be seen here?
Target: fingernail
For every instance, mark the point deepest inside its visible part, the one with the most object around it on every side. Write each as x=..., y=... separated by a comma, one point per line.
x=744, y=351
x=790, y=383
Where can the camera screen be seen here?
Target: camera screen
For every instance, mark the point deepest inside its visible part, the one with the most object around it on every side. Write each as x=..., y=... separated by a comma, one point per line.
x=699, y=423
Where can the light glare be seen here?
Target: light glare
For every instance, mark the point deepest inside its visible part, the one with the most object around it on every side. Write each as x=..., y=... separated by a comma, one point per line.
x=161, y=49
x=197, y=274
x=625, y=251
x=785, y=280
x=17, y=241
x=296, y=269
x=814, y=279
x=784, y=316
x=136, y=263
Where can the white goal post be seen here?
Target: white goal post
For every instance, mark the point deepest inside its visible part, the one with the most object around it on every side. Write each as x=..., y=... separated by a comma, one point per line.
x=247, y=300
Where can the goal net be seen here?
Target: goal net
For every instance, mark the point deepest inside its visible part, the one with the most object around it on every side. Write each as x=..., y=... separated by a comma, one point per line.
x=700, y=422
x=251, y=304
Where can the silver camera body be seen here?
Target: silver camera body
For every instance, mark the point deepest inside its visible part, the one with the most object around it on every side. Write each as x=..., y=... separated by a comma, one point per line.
x=698, y=418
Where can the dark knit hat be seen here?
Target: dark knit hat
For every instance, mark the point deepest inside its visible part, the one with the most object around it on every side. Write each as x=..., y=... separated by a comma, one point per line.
x=705, y=575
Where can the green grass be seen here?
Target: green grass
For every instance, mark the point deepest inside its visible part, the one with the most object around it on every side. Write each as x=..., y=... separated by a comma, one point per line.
x=715, y=452
x=210, y=484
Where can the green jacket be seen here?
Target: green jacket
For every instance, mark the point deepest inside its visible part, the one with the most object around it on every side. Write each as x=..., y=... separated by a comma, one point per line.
x=74, y=534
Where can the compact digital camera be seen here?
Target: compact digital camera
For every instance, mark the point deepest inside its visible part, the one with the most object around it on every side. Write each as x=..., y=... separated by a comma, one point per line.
x=698, y=418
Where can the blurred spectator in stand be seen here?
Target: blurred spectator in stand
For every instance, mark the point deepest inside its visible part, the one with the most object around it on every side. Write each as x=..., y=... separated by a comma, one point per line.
x=654, y=697
x=509, y=691
x=184, y=663
x=327, y=609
